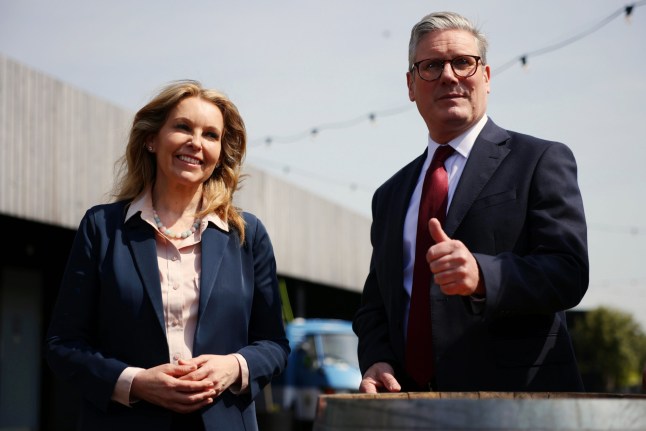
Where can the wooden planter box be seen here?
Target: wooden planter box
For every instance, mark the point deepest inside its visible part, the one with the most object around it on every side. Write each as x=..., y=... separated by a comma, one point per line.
x=481, y=411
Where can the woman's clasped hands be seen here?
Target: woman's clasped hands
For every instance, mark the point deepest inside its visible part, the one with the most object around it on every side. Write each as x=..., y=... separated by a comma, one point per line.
x=189, y=385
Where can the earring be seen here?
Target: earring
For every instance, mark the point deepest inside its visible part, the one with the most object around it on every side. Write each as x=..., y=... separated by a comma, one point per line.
x=150, y=148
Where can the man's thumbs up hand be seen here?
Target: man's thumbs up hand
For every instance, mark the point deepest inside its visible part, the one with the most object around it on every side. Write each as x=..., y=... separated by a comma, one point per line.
x=453, y=266
x=435, y=228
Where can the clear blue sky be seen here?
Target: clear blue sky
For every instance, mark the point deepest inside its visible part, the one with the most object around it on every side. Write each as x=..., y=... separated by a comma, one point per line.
x=291, y=66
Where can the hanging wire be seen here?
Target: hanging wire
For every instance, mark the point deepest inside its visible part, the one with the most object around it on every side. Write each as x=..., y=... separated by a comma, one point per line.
x=627, y=10
x=627, y=230
x=522, y=59
x=314, y=131
x=372, y=116
x=287, y=169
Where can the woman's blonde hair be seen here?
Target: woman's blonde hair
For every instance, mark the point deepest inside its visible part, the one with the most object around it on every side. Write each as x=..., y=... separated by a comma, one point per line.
x=137, y=167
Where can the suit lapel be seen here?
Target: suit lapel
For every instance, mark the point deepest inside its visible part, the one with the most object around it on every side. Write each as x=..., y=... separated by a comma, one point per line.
x=214, y=246
x=143, y=247
x=489, y=150
x=400, y=202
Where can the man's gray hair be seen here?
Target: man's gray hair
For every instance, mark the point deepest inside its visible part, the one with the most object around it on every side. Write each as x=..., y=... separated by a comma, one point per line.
x=445, y=21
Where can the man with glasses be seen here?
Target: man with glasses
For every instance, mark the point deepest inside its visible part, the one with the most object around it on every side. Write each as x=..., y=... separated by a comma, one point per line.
x=479, y=245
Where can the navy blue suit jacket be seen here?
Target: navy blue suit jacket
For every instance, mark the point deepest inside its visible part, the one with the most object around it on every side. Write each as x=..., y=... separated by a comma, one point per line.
x=518, y=209
x=109, y=316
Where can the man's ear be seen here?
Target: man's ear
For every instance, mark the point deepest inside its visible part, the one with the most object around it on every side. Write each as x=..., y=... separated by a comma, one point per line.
x=487, y=77
x=410, y=82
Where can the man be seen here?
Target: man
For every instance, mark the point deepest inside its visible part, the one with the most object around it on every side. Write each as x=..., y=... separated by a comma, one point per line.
x=504, y=253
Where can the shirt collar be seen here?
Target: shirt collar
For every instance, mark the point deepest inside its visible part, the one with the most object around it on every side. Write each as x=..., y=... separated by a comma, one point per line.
x=463, y=143
x=144, y=204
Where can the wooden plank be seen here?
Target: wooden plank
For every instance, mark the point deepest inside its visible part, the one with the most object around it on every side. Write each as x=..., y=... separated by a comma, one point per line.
x=482, y=410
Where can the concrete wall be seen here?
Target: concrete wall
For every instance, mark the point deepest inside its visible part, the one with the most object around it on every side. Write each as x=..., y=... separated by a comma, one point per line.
x=57, y=146
x=314, y=239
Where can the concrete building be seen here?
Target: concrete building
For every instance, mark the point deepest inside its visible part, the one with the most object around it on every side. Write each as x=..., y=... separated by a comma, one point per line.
x=58, y=146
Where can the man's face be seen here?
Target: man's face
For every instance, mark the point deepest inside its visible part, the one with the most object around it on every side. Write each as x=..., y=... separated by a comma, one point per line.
x=449, y=105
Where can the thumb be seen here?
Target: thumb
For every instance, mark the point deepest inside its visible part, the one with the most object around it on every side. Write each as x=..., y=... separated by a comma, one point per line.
x=181, y=369
x=390, y=382
x=435, y=228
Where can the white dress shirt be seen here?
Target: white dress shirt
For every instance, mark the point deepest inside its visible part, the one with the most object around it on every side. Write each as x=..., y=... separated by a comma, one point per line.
x=454, y=166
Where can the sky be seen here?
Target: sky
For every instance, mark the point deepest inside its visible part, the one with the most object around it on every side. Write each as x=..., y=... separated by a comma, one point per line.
x=293, y=66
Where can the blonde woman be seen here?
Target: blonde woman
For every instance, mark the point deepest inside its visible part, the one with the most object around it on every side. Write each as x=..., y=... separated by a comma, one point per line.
x=168, y=316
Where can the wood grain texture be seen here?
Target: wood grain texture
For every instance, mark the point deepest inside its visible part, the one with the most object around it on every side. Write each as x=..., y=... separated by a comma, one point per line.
x=481, y=411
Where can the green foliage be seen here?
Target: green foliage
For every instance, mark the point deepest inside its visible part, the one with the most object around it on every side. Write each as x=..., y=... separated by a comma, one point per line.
x=610, y=344
x=288, y=315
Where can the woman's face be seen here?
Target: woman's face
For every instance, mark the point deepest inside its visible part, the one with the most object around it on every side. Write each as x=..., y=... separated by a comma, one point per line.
x=187, y=147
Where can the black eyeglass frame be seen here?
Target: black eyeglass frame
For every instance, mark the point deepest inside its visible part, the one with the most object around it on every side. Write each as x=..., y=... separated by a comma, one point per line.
x=475, y=69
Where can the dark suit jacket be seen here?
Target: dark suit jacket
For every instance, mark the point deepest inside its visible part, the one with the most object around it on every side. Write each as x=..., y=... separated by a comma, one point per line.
x=518, y=209
x=109, y=316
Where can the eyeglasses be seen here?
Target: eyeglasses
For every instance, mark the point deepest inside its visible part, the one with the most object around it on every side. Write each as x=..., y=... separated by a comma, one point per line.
x=463, y=66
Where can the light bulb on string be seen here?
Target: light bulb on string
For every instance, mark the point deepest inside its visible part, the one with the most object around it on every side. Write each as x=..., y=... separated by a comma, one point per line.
x=629, y=10
x=372, y=117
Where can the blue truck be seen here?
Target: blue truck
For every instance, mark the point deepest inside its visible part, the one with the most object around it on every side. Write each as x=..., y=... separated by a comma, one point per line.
x=323, y=361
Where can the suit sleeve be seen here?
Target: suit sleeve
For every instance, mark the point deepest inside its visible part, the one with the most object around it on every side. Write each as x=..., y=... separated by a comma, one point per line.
x=71, y=342
x=268, y=348
x=371, y=320
x=550, y=272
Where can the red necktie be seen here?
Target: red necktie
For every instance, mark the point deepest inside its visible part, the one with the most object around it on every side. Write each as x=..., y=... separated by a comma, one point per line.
x=433, y=203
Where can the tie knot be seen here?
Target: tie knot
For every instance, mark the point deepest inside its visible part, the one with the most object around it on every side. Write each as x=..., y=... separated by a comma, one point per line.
x=442, y=153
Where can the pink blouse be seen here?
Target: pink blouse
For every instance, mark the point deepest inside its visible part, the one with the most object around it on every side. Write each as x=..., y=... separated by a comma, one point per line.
x=179, y=275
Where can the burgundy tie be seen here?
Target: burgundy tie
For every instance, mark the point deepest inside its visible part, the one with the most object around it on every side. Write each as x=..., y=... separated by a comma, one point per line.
x=433, y=203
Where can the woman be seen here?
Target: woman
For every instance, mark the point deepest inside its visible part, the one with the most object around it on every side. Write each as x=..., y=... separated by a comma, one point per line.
x=169, y=315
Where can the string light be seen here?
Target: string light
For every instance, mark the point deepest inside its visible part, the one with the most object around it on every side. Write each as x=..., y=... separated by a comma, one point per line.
x=373, y=116
x=628, y=285
x=629, y=10
x=314, y=131
x=289, y=170
x=523, y=59
x=626, y=230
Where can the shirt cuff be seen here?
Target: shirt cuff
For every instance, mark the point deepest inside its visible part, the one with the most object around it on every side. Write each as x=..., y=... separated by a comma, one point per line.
x=121, y=393
x=242, y=387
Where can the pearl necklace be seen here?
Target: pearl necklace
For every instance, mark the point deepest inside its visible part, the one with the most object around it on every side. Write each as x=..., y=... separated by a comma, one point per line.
x=169, y=233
